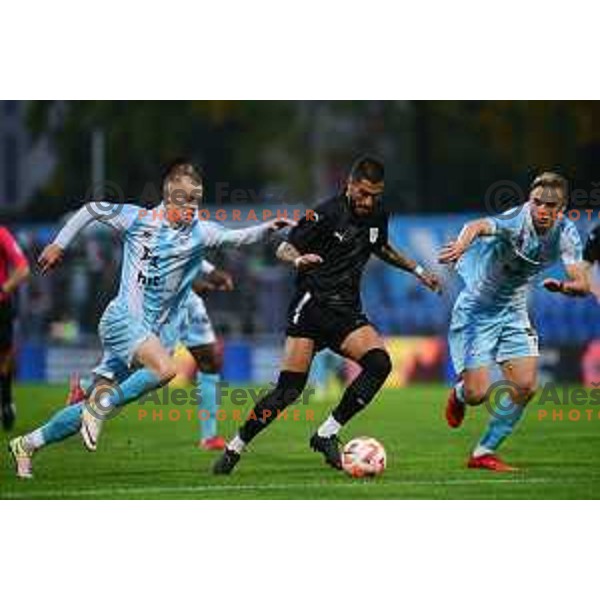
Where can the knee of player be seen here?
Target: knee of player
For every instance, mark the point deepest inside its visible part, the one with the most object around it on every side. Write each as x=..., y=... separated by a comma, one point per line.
x=525, y=391
x=474, y=395
x=166, y=371
x=209, y=363
x=378, y=363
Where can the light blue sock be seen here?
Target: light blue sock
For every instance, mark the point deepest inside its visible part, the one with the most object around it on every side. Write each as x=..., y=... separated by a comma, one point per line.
x=207, y=382
x=67, y=421
x=137, y=384
x=502, y=423
x=62, y=424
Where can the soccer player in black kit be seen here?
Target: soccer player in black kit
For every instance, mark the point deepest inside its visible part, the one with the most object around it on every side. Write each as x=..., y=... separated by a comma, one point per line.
x=330, y=249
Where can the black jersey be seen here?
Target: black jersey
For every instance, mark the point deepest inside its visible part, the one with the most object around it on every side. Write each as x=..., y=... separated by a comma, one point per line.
x=591, y=251
x=345, y=242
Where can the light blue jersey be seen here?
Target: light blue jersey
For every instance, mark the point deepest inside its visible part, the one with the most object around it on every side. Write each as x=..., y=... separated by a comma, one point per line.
x=498, y=269
x=490, y=320
x=160, y=263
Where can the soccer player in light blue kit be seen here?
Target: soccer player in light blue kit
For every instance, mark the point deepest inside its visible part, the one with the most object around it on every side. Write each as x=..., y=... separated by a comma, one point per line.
x=162, y=255
x=194, y=330
x=196, y=333
x=498, y=257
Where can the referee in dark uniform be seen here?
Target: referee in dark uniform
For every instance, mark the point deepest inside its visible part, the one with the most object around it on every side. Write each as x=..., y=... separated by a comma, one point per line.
x=330, y=249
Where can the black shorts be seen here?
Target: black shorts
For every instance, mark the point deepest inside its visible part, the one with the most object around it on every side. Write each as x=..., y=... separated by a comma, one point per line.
x=6, y=326
x=327, y=325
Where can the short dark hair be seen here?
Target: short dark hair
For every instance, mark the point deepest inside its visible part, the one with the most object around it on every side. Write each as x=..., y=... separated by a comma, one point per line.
x=369, y=168
x=180, y=167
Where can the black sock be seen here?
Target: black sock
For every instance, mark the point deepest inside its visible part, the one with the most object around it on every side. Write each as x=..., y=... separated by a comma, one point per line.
x=376, y=367
x=288, y=390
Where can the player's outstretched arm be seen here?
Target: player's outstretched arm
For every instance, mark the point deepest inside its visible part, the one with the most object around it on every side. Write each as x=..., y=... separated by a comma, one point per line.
x=217, y=235
x=118, y=216
x=453, y=250
x=577, y=284
x=390, y=255
x=287, y=253
x=50, y=257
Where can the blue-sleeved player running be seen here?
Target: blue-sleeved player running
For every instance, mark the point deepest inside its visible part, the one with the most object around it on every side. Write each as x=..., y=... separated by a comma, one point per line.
x=162, y=255
x=196, y=333
x=498, y=258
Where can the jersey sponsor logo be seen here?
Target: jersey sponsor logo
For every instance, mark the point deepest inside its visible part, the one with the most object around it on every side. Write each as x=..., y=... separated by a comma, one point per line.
x=149, y=280
x=373, y=234
x=340, y=235
x=150, y=257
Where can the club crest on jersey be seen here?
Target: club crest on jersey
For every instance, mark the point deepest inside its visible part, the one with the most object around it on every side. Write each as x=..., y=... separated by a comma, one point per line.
x=373, y=234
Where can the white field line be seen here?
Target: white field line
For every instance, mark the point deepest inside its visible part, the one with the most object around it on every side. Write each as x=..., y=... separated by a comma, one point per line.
x=215, y=489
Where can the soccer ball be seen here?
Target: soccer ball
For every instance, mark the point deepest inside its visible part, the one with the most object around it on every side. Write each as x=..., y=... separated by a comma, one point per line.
x=364, y=457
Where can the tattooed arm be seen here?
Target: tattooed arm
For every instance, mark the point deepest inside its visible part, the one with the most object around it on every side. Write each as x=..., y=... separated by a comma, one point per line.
x=288, y=254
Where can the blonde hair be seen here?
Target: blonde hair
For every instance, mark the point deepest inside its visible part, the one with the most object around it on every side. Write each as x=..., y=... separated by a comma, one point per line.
x=551, y=180
x=180, y=168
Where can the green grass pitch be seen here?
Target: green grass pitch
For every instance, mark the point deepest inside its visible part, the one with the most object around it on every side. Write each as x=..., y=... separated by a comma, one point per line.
x=152, y=459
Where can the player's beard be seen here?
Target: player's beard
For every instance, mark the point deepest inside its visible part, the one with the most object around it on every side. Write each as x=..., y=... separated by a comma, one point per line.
x=361, y=211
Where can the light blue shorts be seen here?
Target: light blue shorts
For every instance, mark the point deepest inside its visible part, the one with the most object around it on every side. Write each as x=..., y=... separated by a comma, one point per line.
x=121, y=333
x=479, y=339
x=195, y=326
x=117, y=358
x=113, y=368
